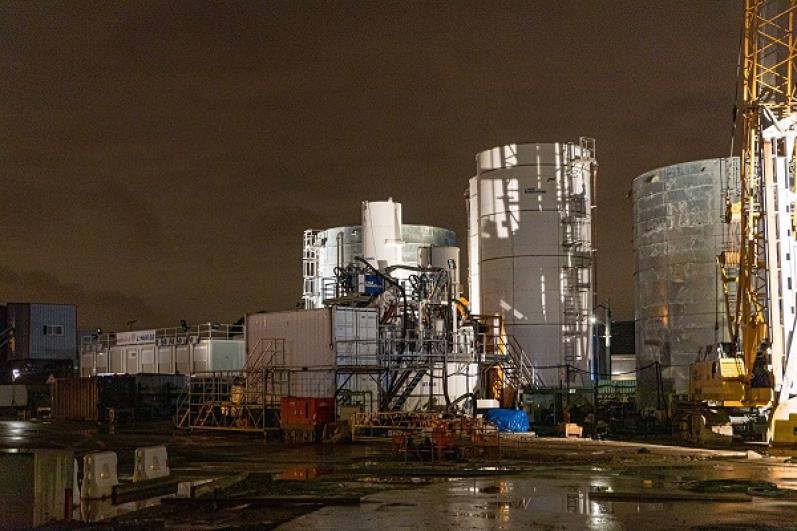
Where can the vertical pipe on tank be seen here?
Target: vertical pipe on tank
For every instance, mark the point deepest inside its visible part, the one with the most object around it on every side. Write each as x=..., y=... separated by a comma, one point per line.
x=381, y=222
x=339, y=261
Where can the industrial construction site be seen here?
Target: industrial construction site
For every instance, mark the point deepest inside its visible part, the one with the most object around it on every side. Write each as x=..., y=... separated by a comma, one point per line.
x=432, y=379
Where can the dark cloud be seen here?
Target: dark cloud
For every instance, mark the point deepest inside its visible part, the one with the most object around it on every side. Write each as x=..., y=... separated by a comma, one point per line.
x=106, y=309
x=175, y=151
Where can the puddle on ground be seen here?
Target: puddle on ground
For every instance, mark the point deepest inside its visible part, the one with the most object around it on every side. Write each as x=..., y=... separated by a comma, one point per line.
x=398, y=480
x=561, y=500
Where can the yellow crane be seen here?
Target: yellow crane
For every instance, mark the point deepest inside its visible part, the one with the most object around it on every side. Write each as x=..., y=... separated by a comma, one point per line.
x=759, y=267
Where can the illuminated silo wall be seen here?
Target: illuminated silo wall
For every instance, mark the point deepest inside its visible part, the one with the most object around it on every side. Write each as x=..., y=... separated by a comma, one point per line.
x=678, y=233
x=530, y=251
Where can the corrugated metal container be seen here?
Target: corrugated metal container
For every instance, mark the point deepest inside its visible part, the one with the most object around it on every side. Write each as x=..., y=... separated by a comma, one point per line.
x=35, y=487
x=308, y=335
x=140, y=395
x=324, y=340
x=43, y=331
x=74, y=399
x=323, y=337
x=306, y=412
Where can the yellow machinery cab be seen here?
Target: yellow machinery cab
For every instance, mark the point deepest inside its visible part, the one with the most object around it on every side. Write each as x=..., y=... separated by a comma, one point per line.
x=721, y=382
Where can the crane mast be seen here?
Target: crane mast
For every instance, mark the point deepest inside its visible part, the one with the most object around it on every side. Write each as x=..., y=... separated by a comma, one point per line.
x=763, y=262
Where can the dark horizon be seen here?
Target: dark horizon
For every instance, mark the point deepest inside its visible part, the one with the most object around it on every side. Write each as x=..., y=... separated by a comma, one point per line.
x=160, y=161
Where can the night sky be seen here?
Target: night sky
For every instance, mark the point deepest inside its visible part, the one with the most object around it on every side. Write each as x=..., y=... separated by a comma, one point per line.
x=159, y=160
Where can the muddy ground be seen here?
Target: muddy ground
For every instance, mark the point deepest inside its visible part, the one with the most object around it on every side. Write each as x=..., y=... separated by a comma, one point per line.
x=543, y=484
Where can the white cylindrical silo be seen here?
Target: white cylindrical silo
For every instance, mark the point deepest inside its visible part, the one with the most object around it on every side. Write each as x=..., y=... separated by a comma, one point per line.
x=381, y=223
x=530, y=251
x=679, y=301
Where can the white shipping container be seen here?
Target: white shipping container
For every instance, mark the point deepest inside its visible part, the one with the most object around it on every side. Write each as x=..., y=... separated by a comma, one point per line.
x=117, y=357
x=131, y=356
x=13, y=396
x=101, y=362
x=219, y=355
x=87, y=366
x=307, y=335
x=323, y=337
x=147, y=359
x=165, y=359
x=182, y=359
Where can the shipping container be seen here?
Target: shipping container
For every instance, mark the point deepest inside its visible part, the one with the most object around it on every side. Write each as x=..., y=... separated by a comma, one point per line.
x=101, y=362
x=136, y=396
x=74, y=399
x=88, y=364
x=308, y=336
x=35, y=487
x=324, y=337
x=306, y=412
x=166, y=359
x=42, y=331
x=13, y=396
x=219, y=355
x=322, y=346
x=206, y=355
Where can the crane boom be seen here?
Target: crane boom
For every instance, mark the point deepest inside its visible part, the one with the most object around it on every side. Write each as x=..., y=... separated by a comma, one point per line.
x=763, y=318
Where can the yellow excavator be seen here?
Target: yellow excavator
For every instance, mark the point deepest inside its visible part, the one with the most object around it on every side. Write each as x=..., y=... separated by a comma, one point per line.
x=756, y=372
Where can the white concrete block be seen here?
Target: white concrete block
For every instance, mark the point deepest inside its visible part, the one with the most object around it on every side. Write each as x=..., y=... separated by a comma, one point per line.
x=99, y=475
x=151, y=462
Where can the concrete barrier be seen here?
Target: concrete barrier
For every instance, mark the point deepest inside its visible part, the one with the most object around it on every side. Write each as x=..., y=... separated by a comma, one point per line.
x=99, y=475
x=151, y=462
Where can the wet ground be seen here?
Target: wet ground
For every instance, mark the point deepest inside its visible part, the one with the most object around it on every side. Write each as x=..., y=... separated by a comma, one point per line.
x=548, y=484
x=562, y=499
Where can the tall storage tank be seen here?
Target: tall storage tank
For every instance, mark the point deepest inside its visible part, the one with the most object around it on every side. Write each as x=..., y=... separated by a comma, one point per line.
x=678, y=233
x=530, y=251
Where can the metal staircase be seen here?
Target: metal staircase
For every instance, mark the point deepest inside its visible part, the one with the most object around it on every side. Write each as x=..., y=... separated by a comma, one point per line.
x=242, y=400
x=519, y=367
x=401, y=399
x=5, y=336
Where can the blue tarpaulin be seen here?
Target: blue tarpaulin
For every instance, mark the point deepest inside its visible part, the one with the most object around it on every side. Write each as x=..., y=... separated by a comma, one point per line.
x=514, y=420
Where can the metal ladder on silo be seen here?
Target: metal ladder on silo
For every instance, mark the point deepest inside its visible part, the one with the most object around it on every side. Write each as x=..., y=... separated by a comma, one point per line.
x=575, y=288
x=311, y=292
